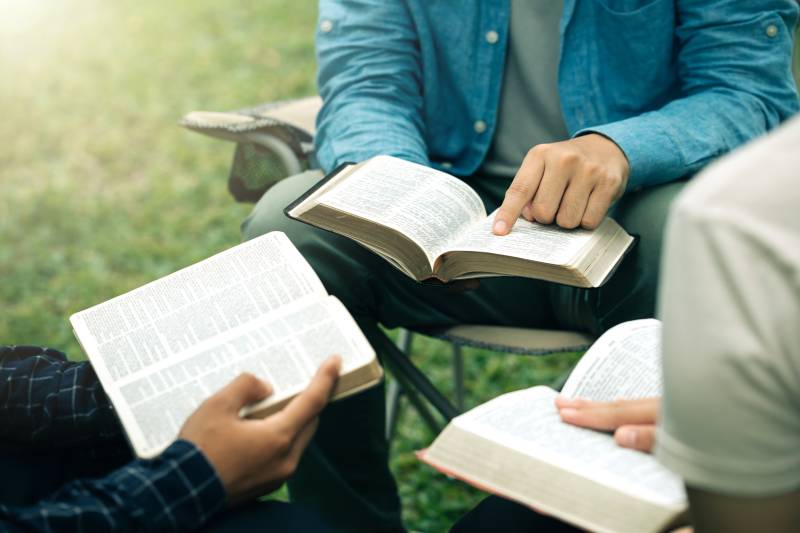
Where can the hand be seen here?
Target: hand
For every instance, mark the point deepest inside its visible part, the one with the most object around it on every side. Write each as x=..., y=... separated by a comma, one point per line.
x=572, y=182
x=251, y=456
x=632, y=421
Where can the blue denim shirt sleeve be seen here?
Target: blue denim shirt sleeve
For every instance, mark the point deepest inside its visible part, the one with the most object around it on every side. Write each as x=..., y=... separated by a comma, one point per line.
x=734, y=62
x=369, y=77
x=675, y=83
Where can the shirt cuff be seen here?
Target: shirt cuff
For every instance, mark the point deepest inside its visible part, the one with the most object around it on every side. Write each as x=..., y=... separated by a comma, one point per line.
x=330, y=158
x=652, y=154
x=179, y=490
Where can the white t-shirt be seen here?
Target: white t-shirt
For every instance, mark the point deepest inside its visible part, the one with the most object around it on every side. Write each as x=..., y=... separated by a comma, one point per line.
x=730, y=303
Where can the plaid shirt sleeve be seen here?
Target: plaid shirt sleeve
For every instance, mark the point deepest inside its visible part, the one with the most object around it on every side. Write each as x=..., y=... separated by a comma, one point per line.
x=46, y=400
x=178, y=491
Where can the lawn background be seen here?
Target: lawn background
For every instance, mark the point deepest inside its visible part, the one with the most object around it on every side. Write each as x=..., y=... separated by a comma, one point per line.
x=100, y=191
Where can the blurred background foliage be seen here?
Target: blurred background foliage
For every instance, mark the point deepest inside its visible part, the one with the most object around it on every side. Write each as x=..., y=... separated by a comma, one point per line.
x=100, y=191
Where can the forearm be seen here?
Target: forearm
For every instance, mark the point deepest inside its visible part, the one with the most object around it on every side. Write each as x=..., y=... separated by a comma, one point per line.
x=369, y=77
x=177, y=491
x=46, y=400
x=735, y=77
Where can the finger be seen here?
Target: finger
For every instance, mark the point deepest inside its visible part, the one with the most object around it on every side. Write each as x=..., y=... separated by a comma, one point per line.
x=557, y=173
x=636, y=437
x=597, y=207
x=583, y=403
x=609, y=416
x=527, y=212
x=573, y=203
x=246, y=389
x=520, y=192
x=564, y=401
x=308, y=404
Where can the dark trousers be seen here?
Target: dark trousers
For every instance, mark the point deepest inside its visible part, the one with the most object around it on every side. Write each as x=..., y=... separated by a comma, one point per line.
x=498, y=514
x=27, y=476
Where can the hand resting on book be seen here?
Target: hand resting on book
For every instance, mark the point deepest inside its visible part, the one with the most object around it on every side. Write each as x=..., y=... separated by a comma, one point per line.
x=253, y=457
x=632, y=421
x=572, y=183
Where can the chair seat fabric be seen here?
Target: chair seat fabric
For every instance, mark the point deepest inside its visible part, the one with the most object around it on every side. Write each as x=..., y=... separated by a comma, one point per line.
x=517, y=340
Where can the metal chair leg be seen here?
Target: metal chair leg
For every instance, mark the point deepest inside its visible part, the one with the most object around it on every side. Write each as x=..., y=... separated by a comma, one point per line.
x=395, y=390
x=458, y=376
x=419, y=404
x=412, y=379
x=393, y=393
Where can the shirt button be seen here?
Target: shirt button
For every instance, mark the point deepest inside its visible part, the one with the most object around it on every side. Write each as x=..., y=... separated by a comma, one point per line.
x=772, y=31
x=479, y=126
x=326, y=26
x=492, y=37
x=447, y=164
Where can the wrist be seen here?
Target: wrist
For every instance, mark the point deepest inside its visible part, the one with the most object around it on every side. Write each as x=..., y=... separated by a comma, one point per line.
x=613, y=153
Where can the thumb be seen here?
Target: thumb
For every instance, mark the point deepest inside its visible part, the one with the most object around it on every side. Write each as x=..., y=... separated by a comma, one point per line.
x=636, y=437
x=244, y=390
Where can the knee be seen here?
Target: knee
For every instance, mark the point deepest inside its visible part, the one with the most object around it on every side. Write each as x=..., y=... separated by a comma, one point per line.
x=268, y=215
x=343, y=266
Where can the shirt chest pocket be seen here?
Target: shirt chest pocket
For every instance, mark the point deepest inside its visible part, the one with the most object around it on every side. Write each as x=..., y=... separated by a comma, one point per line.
x=634, y=49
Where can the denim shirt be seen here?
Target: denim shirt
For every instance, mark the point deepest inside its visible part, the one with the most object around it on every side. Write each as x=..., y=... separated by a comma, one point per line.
x=675, y=83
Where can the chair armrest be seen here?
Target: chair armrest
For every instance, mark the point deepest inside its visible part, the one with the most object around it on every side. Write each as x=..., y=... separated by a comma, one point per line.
x=273, y=141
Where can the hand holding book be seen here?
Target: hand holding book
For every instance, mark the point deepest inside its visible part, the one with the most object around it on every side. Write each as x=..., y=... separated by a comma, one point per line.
x=518, y=445
x=163, y=348
x=256, y=456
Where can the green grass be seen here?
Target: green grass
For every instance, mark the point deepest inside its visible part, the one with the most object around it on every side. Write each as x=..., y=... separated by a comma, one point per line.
x=100, y=191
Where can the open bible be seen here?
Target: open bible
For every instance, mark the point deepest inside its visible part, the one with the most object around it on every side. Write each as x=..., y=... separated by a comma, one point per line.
x=430, y=224
x=163, y=348
x=516, y=445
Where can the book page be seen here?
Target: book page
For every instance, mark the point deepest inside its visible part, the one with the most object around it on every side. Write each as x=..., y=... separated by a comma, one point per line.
x=165, y=318
x=527, y=240
x=625, y=362
x=528, y=421
x=284, y=349
x=430, y=207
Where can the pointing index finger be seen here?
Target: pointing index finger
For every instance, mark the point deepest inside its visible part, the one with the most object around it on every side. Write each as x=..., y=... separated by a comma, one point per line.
x=520, y=192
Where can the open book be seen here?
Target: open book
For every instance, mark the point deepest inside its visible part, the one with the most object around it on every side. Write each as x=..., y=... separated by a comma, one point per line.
x=430, y=224
x=161, y=349
x=516, y=445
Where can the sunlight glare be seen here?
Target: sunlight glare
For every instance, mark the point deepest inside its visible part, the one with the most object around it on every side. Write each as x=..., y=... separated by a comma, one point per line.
x=19, y=16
